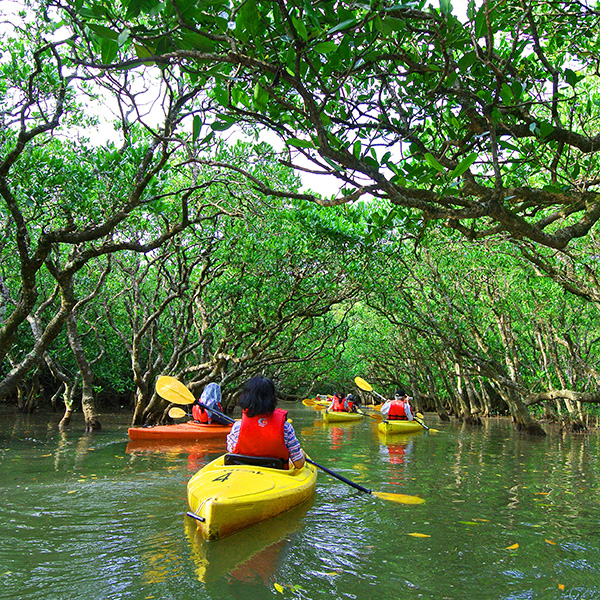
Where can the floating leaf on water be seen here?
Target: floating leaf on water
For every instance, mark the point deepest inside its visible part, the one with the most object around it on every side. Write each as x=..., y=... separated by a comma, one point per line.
x=482, y=520
x=561, y=586
x=468, y=523
x=542, y=493
x=513, y=547
x=45, y=455
x=550, y=542
x=71, y=492
x=419, y=535
x=278, y=587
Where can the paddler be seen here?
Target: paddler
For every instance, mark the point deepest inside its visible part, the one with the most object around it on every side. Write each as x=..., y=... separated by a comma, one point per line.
x=398, y=409
x=211, y=398
x=341, y=404
x=264, y=429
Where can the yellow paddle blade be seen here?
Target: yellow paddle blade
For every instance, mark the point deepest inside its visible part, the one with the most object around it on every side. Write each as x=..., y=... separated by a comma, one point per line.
x=173, y=390
x=377, y=417
x=318, y=406
x=177, y=413
x=401, y=498
x=362, y=384
x=308, y=402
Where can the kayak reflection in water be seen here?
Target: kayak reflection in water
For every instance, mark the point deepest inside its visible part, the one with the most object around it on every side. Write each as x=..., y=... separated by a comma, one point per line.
x=263, y=430
x=211, y=398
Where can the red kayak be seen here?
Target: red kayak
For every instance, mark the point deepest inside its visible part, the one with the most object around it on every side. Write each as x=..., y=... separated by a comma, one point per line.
x=181, y=431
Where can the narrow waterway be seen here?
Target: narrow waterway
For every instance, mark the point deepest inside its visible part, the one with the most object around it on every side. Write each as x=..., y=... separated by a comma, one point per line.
x=506, y=516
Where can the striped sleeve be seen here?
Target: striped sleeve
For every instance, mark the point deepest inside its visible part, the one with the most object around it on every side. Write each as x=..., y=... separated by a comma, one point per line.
x=291, y=442
x=232, y=436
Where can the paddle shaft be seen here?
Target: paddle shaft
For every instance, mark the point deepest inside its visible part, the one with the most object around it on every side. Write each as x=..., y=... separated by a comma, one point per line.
x=340, y=477
x=217, y=412
x=421, y=423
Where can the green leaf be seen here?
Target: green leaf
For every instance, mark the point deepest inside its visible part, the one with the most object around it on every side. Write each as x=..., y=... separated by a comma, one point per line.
x=300, y=28
x=301, y=143
x=221, y=125
x=109, y=49
x=506, y=93
x=343, y=25
x=445, y=7
x=196, y=127
x=463, y=165
x=103, y=32
x=260, y=97
x=432, y=161
x=546, y=129
x=481, y=29
x=325, y=47
x=572, y=78
x=142, y=51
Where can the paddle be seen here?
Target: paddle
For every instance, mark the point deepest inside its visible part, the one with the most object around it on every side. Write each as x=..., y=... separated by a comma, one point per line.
x=313, y=403
x=377, y=417
x=401, y=498
x=367, y=387
x=176, y=412
x=174, y=391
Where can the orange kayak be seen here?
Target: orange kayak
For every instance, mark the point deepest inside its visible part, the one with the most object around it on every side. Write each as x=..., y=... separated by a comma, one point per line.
x=180, y=431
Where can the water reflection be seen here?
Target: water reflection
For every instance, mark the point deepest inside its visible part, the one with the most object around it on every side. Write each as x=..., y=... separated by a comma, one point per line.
x=509, y=516
x=397, y=448
x=249, y=555
x=199, y=454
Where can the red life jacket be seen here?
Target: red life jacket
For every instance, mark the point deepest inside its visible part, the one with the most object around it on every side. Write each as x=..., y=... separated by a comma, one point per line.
x=201, y=415
x=262, y=435
x=397, y=411
x=338, y=405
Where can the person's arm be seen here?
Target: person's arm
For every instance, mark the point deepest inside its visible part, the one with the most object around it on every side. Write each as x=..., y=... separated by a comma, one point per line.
x=408, y=411
x=385, y=409
x=232, y=436
x=293, y=445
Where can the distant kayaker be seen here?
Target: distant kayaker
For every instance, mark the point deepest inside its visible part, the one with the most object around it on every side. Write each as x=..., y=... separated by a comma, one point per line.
x=398, y=408
x=211, y=398
x=339, y=403
x=264, y=429
x=351, y=402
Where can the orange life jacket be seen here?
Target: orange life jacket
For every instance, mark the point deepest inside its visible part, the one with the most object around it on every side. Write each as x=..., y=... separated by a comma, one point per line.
x=262, y=435
x=397, y=411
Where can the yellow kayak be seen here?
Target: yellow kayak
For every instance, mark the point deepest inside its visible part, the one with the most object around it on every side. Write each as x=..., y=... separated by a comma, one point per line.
x=340, y=416
x=399, y=426
x=230, y=498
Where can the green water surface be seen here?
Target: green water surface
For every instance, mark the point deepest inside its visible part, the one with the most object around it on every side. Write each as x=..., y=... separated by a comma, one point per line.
x=506, y=516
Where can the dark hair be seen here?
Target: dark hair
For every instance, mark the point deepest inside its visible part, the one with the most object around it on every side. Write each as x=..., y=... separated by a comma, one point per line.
x=338, y=394
x=258, y=397
x=400, y=393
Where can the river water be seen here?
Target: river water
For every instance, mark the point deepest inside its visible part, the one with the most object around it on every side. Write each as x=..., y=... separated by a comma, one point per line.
x=506, y=516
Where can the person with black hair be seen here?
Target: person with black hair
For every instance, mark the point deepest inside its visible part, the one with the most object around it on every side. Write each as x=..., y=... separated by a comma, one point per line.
x=264, y=429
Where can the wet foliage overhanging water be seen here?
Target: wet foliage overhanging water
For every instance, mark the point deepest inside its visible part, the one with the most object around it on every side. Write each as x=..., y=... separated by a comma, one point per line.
x=506, y=516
